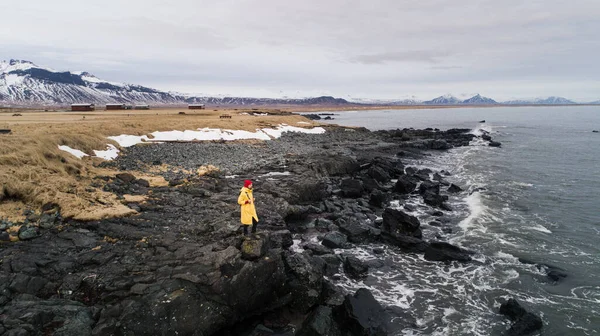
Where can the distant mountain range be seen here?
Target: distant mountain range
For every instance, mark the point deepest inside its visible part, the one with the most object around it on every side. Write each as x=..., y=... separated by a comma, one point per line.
x=23, y=83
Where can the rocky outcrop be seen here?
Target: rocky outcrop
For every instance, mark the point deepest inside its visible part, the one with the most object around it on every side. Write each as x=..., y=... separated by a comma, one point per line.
x=355, y=268
x=396, y=222
x=361, y=314
x=335, y=240
x=405, y=184
x=524, y=322
x=305, y=281
x=442, y=251
x=352, y=188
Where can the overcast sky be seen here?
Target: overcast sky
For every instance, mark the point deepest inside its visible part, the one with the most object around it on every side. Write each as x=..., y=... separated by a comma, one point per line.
x=351, y=49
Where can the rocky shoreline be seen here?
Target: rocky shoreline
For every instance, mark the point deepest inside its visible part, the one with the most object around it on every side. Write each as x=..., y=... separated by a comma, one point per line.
x=182, y=267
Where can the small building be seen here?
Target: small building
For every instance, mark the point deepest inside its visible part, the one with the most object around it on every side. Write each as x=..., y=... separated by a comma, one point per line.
x=115, y=106
x=83, y=107
x=141, y=107
x=196, y=107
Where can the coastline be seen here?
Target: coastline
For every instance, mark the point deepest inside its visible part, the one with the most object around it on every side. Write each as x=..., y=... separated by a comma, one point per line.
x=180, y=258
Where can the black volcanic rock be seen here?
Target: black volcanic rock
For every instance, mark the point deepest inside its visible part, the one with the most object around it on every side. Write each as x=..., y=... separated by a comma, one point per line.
x=524, y=322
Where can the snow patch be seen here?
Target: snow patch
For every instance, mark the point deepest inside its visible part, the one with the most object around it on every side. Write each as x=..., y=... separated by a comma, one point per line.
x=125, y=140
x=76, y=152
x=208, y=134
x=110, y=153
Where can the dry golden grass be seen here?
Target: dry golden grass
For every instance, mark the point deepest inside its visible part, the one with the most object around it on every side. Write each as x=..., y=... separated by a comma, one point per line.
x=33, y=171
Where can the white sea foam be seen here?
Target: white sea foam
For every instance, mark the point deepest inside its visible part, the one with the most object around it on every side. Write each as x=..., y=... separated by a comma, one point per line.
x=540, y=228
x=476, y=209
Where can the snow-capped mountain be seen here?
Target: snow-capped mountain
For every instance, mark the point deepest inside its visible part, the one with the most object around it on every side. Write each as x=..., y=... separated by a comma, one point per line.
x=449, y=99
x=479, y=100
x=25, y=83
x=541, y=101
x=443, y=100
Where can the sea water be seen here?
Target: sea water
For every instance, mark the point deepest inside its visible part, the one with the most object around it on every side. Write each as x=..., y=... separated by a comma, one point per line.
x=536, y=198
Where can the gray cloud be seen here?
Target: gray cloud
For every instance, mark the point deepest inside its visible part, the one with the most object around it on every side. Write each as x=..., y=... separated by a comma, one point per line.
x=347, y=48
x=401, y=56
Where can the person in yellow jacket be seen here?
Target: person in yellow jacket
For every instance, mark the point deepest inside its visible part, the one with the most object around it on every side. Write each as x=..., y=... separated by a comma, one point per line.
x=248, y=211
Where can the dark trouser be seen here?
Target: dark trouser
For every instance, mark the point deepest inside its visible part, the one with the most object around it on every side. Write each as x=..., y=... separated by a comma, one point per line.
x=254, y=224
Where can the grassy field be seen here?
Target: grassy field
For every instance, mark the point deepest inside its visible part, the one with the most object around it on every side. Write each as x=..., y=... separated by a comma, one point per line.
x=33, y=171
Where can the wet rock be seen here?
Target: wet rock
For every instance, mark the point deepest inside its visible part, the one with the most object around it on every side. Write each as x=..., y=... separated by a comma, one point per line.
x=378, y=199
x=486, y=137
x=436, y=200
x=379, y=174
x=335, y=240
x=524, y=322
x=396, y=222
x=356, y=231
x=429, y=187
x=281, y=239
x=405, y=184
x=333, y=262
x=254, y=248
x=378, y=250
x=317, y=249
x=125, y=177
x=28, y=232
x=556, y=275
x=439, y=145
x=495, y=144
x=352, y=188
x=355, y=268
x=361, y=314
x=454, y=188
x=305, y=280
x=553, y=273
x=406, y=243
x=442, y=251
x=320, y=323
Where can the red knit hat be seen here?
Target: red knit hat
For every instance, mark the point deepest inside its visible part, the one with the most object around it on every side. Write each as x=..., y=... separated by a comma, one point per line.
x=247, y=183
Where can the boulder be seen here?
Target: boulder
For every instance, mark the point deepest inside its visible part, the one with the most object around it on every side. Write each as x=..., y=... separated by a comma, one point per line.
x=379, y=174
x=305, y=281
x=320, y=323
x=439, y=144
x=495, y=144
x=429, y=187
x=125, y=177
x=454, y=188
x=406, y=243
x=361, y=314
x=317, y=249
x=396, y=222
x=356, y=231
x=378, y=198
x=556, y=275
x=352, y=188
x=281, y=239
x=524, y=322
x=335, y=240
x=436, y=200
x=405, y=184
x=333, y=262
x=442, y=251
x=28, y=232
x=254, y=248
x=355, y=268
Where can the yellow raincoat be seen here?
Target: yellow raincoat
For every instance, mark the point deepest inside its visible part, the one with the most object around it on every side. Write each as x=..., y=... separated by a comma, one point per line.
x=248, y=210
